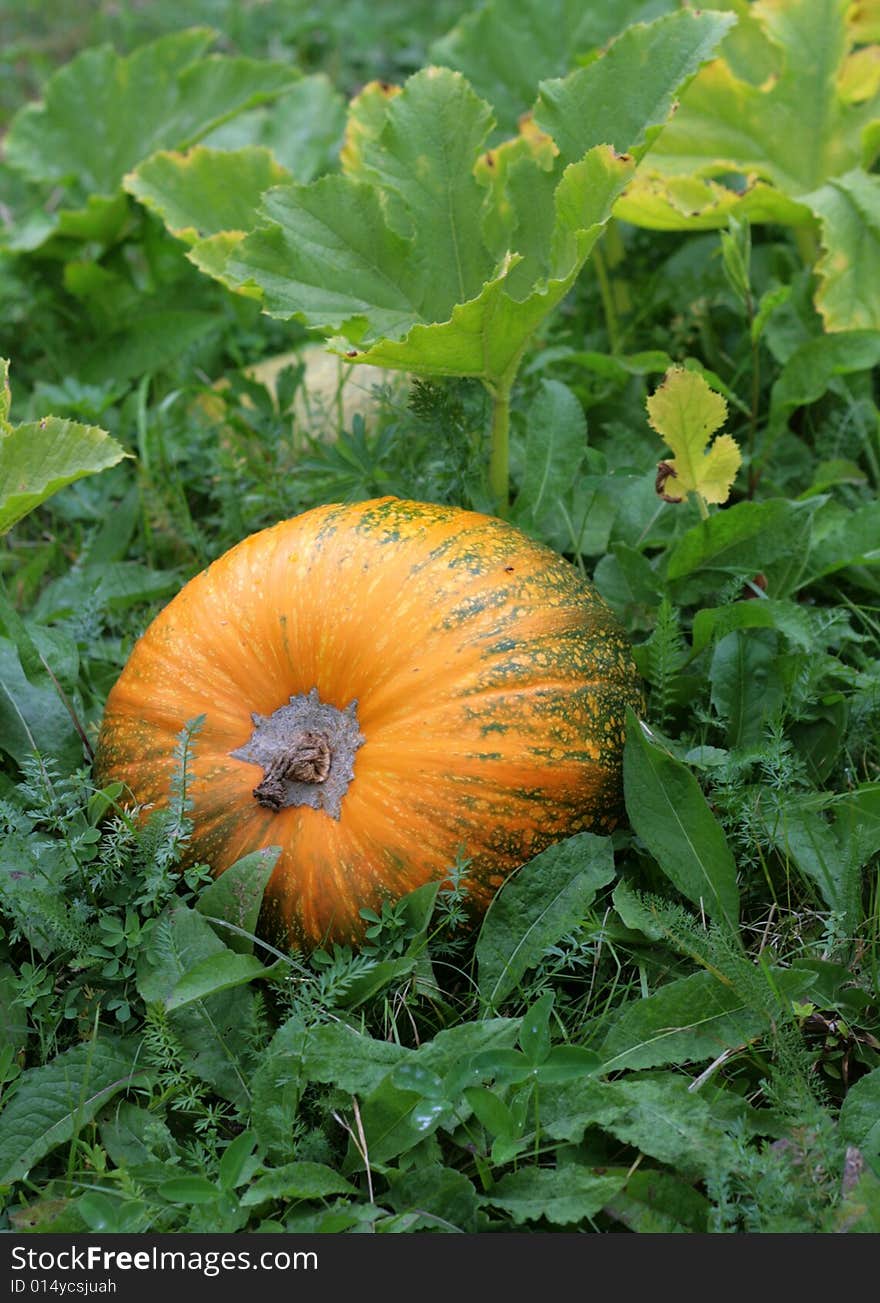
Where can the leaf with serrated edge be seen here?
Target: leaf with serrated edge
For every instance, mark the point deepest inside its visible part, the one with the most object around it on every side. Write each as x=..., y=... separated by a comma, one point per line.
x=848, y=208
x=505, y=47
x=41, y=457
x=205, y=192
x=53, y=1101
x=586, y=108
x=392, y=256
x=104, y=113
x=690, y=1020
x=561, y=1195
x=787, y=135
x=685, y=412
x=538, y=905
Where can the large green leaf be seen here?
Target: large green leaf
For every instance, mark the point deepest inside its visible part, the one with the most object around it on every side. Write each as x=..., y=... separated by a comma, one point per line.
x=673, y=819
x=207, y=197
x=799, y=138
x=205, y=191
x=53, y=1101
x=692, y=1019
x=432, y=256
x=795, y=130
x=103, y=113
x=303, y=128
x=537, y=906
x=655, y=1112
x=848, y=209
x=235, y=897
x=560, y=1195
x=624, y=98
x=505, y=47
x=41, y=457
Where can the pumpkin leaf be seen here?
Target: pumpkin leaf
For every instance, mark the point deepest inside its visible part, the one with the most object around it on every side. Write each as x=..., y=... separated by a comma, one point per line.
x=800, y=139
x=236, y=895
x=671, y=816
x=207, y=197
x=41, y=457
x=166, y=94
x=536, y=906
x=506, y=47
x=685, y=412
x=652, y=61
x=414, y=255
x=848, y=209
x=303, y=128
x=55, y=1100
x=205, y=191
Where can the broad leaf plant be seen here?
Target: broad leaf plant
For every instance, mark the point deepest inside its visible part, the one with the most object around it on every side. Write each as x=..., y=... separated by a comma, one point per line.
x=430, y=252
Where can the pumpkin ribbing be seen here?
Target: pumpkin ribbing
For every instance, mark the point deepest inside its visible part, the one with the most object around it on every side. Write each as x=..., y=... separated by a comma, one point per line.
x=490, y=683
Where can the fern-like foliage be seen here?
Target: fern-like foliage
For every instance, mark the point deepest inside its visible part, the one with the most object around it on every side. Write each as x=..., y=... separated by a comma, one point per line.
x=660, y=659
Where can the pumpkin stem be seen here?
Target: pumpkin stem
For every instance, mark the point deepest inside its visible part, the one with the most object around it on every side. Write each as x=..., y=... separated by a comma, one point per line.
x=499, y=436
x=306, y=750
x=307, y=760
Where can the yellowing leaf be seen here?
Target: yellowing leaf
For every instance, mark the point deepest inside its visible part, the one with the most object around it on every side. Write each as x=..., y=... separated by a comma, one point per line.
x=791, y=108
x=685, y=412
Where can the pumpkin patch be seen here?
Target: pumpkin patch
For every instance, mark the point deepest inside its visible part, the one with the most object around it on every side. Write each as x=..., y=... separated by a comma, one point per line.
x=384, y=686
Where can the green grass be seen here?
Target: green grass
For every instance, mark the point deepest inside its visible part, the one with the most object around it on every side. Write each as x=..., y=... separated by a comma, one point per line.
x=649, y=1057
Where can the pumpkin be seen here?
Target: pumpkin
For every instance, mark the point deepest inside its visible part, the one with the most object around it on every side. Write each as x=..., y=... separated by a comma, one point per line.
x=383, y=685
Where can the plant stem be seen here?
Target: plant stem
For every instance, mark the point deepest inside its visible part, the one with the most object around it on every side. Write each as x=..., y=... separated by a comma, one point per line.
x=755, y=394
x=499, y=448
x=615, y=256
x=612, y=325
x=499, y=437
x=701, y=506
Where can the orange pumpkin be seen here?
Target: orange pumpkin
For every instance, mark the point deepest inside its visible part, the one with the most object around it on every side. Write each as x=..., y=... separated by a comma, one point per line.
x=384, y=685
